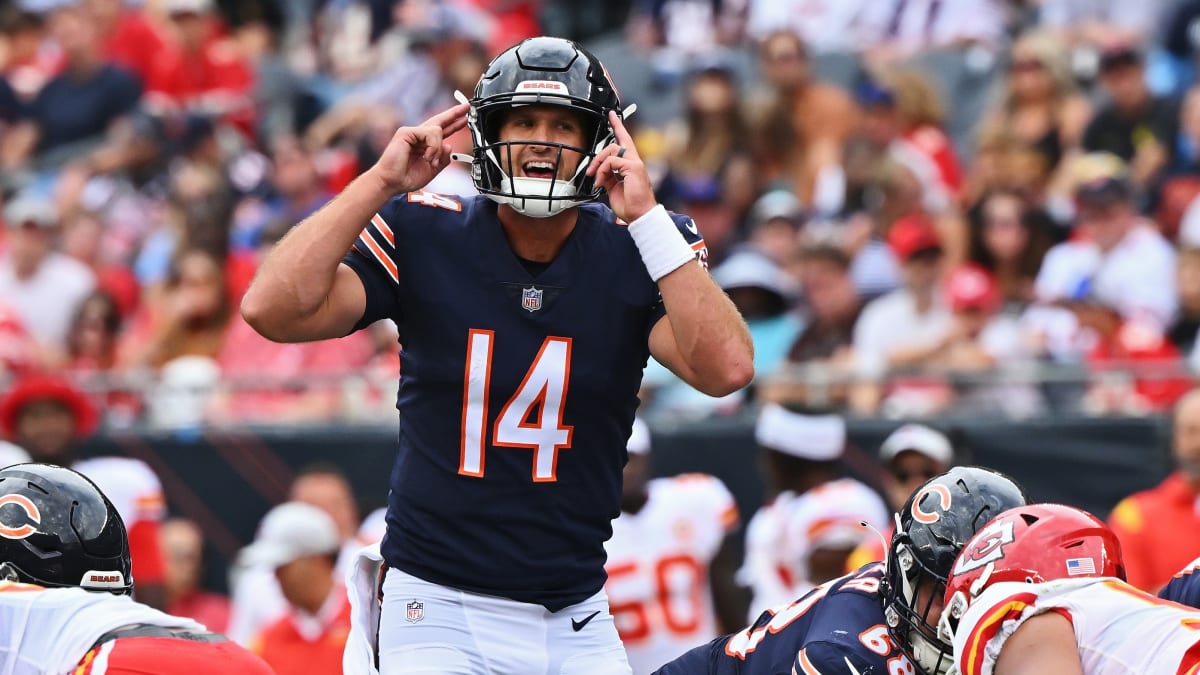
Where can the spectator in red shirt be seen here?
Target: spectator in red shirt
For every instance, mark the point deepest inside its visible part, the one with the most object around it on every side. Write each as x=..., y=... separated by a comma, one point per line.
x=202, y=75
x=300, y=541
x=1157, y=526
x=128, y=39
x=48, y=417
x=183, y=552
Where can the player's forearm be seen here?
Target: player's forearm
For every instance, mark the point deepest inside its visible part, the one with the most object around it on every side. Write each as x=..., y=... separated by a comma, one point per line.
x=297, y=277
x=711, y=335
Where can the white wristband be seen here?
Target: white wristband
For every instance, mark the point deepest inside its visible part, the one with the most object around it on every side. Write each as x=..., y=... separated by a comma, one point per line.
x=660, y=242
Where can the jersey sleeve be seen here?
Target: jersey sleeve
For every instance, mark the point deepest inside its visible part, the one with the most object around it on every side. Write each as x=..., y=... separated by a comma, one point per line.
x=691, y=234
x=1184, y=587
x=707, y=498
x=827, y=658
x=373, y=258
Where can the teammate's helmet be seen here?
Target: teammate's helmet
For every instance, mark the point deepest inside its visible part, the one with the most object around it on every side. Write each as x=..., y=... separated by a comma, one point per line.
x=546, y=71
x=1031, y=544
x=931, y=528
x=58, y=529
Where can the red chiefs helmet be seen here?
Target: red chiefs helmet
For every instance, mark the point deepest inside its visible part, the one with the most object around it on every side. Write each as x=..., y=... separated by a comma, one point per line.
x=1031, y=544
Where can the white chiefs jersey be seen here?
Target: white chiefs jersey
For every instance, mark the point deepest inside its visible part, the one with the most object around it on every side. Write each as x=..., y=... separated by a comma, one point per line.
x=783, y=534
x=658, y=561
x=131, y=486
x=47, y=631
x=1120, y=629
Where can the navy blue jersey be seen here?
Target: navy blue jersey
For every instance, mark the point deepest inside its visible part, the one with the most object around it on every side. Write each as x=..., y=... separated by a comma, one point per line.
x=1184, y=587
x=836, y=626
x=517, y=393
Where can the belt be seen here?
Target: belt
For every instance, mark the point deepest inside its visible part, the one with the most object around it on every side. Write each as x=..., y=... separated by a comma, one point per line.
x=149, y=630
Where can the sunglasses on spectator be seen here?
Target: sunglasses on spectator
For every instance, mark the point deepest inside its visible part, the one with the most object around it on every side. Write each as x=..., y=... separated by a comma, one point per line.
x=923, y=474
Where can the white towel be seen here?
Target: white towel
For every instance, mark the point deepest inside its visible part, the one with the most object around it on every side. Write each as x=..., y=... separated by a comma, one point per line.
x=362, y=584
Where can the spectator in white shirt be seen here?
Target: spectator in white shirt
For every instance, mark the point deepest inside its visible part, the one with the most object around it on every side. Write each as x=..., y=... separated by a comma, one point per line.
x=899, y=28
x=908, y=326
x=44, y=287
x=982, y=340
x=825, y=25
x=1116, y=268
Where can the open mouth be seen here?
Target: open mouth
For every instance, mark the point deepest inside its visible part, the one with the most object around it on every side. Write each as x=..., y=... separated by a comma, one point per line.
x=538, y=169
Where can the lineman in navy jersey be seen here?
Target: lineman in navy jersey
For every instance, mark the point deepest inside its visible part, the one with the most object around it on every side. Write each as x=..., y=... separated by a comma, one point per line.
x=1184, y=587
x=882, y=618
x=526, y=318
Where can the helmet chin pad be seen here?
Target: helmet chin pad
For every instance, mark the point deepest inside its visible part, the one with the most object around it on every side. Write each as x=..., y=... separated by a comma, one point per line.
x=537, y=197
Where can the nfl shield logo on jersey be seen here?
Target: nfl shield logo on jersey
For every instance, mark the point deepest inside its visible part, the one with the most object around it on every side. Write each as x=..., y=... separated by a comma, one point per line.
x=416, y=611
x=531, y=299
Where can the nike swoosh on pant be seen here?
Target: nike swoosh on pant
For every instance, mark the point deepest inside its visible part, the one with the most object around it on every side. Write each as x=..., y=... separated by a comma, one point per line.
x=578, y=625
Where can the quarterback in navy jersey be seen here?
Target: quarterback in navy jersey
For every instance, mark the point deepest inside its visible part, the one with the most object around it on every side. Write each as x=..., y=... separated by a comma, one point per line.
x=1184, y=587
x=881, y=619
x=526, y=317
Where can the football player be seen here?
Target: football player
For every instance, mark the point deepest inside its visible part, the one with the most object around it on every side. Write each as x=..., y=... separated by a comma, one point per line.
x=527, y=315
x=65, y=585
x=1184, y=587
x=879, y=619
x=802, y=537
x=670, y=560
x=48, y=416
x=1042, y=589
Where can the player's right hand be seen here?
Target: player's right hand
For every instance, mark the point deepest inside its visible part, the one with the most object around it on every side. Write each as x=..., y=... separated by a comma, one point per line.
x=416, y=154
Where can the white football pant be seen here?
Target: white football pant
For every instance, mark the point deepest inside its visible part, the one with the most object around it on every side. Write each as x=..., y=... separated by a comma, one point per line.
x=427, y=628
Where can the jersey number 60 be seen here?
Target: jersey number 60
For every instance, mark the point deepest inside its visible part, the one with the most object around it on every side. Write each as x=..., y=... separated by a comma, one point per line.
x=543, y=388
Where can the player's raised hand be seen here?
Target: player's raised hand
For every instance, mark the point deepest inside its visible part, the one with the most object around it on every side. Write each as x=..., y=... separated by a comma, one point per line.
x=416, y=154
x=619, y=170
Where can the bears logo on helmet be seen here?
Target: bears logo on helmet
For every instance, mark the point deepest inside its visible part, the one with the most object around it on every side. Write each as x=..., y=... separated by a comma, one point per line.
x=931, y=528
x=79, y=539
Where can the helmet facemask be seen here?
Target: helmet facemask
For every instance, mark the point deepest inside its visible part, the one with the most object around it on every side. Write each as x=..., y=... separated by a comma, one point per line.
x=911, y=592
x=541, y=71
x=493, y=160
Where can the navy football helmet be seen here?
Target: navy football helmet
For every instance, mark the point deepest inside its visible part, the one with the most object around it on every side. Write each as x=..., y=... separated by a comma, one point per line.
x=58, y=529
x=544, y=71
x=931, y=528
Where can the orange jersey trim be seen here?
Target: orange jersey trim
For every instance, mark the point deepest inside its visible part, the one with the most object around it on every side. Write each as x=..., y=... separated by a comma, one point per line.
x=384, y=229
x=380, y=255
x=806, y=665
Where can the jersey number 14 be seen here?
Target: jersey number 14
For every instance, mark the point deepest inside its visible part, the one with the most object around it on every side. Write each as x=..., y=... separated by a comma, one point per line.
x=532, y=417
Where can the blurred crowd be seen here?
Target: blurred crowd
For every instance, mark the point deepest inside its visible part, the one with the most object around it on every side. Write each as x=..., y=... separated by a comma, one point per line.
x=920, y=207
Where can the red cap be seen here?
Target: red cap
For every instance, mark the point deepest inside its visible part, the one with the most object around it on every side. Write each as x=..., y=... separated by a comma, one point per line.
x=971, y=287
x=913, y=233
x=48, y=387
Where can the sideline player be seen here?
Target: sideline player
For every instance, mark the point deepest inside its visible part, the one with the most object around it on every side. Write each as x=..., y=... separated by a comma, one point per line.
x=1042, y=589
x=877, y=620
x=670, y=560
x=802, y=537
x=65, y=582
x=526, y=316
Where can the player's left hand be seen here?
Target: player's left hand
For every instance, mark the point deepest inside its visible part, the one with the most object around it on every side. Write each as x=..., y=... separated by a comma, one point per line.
x=619, y=170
